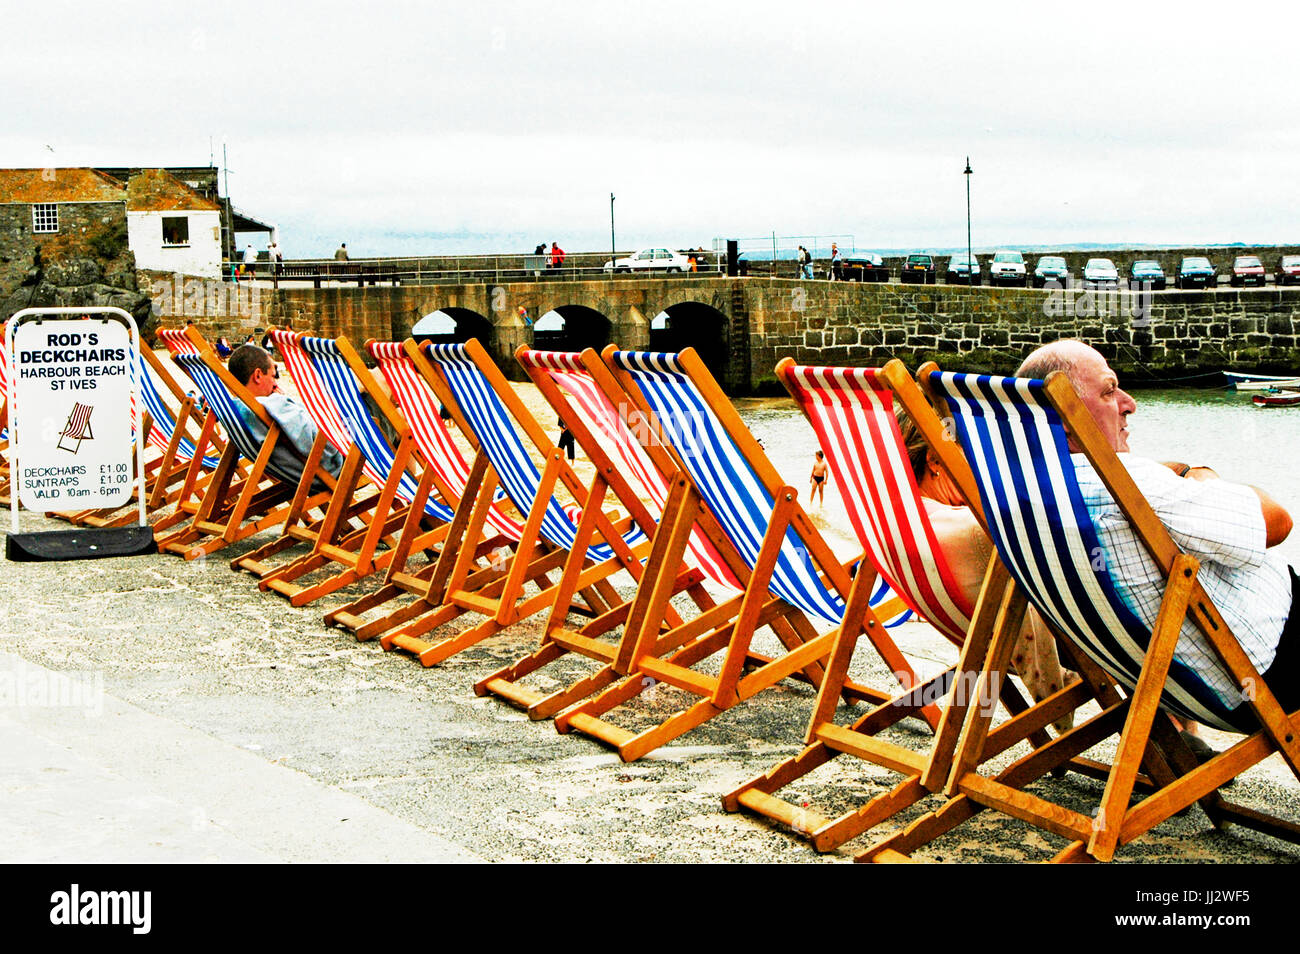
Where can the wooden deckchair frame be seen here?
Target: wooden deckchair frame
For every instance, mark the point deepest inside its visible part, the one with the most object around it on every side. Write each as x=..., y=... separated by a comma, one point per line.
x=456, y=584
x=337, y=539
x=224, y=512
x=729, y=628
x=559, y=639
x=1144, y=729
x=165, y=470
x=924, y=773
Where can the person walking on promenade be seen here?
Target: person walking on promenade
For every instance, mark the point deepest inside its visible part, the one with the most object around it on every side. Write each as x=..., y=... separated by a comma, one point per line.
x=805, y=263
x=342, y=254
x=837, y=265
x=557, y=255
x=276, y=257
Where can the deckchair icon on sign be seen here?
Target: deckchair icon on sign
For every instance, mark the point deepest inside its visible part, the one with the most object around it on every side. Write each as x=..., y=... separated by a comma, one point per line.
x=77, y=428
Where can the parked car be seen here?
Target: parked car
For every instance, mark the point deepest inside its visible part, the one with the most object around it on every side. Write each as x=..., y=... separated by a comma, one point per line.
x=1008, y=268
x=1288, y=270
x=918, y=269
x=863, y=267
x=1196, y=272
x=1147, y=272
x=1051, y=268
x=1247, y=270
x=962, y=270
x=1100, y=271
x=650, y=259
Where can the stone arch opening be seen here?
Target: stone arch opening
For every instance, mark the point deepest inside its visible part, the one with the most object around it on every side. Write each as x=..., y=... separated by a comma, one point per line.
x=693, y=324
x=571, y=328
x=454, y=326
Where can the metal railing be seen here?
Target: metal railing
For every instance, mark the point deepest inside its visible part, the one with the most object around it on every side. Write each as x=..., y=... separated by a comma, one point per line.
x=455, y=269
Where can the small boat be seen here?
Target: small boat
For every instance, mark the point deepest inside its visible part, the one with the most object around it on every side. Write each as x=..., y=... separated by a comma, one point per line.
x=1259, y=382
x=1278, y=398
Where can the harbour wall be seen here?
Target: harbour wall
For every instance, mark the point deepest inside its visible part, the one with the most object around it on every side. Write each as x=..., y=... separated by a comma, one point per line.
x=750, y=323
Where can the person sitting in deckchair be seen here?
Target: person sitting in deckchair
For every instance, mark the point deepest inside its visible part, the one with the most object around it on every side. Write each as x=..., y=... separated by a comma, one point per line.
x=255, y=369
x=1228, y=527
x=968, y=548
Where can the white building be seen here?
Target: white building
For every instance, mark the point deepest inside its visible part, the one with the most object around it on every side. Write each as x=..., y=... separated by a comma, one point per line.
x=171, y=228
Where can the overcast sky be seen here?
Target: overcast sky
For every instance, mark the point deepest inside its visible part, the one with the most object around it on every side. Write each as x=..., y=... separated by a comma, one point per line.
x=407, y=129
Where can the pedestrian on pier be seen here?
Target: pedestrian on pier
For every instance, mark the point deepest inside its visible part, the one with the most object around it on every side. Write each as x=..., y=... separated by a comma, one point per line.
x=837, y=265
x=342, y=254
x=557, y=255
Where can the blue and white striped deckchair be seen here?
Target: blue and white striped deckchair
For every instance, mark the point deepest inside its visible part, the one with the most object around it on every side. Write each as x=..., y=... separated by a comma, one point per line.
x=491, y=416
x=1014, y=433
x=789, y=572
x=223, y=514
x=329, y=375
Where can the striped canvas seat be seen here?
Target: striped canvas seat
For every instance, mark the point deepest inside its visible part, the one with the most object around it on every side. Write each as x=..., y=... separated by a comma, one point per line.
x=339, y=385
x=1016, y=444
x=311, y=390
x=852, y=412
x=725, y=478
x=164, y=423
x=517, y=472
x=227, y=411
x=420, y=406
x=602, y=419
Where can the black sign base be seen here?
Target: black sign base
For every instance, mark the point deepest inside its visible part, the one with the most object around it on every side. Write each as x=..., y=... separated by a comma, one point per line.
x=80, y=544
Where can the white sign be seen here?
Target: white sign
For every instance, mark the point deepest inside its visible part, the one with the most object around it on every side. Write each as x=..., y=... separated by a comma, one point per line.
x=72, y=380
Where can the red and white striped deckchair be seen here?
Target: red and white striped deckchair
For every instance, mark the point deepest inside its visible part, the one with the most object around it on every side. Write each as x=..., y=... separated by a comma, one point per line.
x=642, y=488
x=852, y=412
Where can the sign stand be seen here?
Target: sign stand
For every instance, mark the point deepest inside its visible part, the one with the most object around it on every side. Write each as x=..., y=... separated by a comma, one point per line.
x=73, y=400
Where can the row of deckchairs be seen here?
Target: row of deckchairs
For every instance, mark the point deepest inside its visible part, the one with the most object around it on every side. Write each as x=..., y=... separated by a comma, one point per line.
x=692, y=498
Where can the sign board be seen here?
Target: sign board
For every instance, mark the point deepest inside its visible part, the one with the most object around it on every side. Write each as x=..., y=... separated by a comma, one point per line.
x=72, y=385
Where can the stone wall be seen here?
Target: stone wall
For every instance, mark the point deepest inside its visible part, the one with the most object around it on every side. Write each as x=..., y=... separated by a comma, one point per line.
x=1163, y=335
x=1157, y=337
x=88, y=232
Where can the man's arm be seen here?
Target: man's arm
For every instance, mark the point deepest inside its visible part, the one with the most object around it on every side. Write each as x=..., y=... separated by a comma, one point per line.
x=1277, y=520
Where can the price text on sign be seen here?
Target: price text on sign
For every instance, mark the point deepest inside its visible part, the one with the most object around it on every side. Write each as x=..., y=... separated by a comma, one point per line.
x=73, y=423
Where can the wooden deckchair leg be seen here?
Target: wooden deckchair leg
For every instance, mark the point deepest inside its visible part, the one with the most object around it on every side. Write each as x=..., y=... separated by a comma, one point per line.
x=983, y=695
x=1143, y=707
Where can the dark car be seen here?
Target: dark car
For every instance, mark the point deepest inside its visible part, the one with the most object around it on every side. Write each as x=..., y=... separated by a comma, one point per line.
x=1196, y=272
x=918, y=269
x=962, y=270
x=863, y=267
x=1288, y=270
x=1147, y=272
x=1247, y=270
x=1051, y=268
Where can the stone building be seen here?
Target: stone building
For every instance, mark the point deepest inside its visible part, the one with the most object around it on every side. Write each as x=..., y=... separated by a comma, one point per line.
x=171, y=228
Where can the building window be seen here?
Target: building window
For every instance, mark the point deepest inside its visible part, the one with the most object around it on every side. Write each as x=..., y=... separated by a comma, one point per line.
x=45, y=217
x=176, y=230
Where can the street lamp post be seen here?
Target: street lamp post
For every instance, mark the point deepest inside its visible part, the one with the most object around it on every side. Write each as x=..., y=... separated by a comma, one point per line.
x=613, y=248
x=969, y=272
